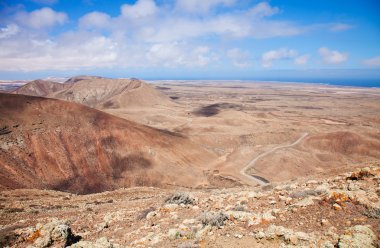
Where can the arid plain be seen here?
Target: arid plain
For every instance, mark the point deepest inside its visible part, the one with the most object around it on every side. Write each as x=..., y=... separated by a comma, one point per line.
x=254, y=164
x=238, y=121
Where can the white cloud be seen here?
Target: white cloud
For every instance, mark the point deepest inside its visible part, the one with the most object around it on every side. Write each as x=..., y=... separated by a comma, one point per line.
x=238, y=57
x=172, y=27
x=340, y=27
x=71, y=52
x=200, y=6
x=95, y=20
x=332, y=57
x=269, y=57
x=81, y=50
x=141, y=9
x=9, y=30
x=373, y=62
x=301, y=60
x=42, y=18
x=264, y=9
x=174, y=54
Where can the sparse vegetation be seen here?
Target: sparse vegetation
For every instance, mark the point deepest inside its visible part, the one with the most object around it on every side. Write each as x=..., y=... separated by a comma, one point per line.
x=304, y=193
x=213, y=219
x=372, y=212
x=180, y=198
x=14, y=210
x=240, y=207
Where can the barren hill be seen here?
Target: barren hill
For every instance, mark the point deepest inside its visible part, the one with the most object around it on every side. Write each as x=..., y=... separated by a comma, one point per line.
x=48, y=143
x=82, y=77
x=40, y=88
x=104, y=93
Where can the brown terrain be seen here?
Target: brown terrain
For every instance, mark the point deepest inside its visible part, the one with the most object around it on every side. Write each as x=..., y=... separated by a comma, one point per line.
x=268, y=164
x=103, y=93
x=39, y=88
x=85, y=150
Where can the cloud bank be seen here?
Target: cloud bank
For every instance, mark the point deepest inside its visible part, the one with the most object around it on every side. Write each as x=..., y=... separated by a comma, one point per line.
x=180, y=33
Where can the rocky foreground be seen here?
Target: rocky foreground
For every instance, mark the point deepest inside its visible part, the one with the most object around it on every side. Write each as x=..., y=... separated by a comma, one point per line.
x=343, y=211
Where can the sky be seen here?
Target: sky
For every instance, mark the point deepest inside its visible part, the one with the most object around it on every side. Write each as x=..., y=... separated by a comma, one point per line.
x=190, y=39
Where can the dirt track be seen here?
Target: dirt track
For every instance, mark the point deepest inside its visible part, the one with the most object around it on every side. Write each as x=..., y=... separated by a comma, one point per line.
x=260, y=180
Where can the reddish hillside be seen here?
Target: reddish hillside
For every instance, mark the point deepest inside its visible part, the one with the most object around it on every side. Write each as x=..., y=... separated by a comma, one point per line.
x=48, y=143
x=39, y=88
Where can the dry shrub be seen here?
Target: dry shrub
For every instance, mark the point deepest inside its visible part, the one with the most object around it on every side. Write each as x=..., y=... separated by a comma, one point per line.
x=372, y=212
x=213, y=219
x=180, y=198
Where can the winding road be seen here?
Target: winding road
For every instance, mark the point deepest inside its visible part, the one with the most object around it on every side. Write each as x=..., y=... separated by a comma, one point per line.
x=261, y=180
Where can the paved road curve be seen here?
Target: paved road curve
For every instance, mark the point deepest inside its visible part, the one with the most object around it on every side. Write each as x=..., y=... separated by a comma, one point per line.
x=261, y=180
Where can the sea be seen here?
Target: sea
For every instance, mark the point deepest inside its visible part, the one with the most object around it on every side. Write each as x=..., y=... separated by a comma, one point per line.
x=346, y=82
x=342, y=82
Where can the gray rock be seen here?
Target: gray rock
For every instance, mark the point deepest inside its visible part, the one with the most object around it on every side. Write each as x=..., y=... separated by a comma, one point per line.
x=305, y=202
x=100, y=243
x=55, y=232
x=358, y=237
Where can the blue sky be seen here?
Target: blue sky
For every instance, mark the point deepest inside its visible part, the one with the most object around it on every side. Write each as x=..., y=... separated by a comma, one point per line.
x=190, y=39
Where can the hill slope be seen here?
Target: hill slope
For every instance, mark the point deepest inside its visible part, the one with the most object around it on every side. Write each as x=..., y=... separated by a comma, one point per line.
x=40, y=88
x=48, y=143
x=103, y=93
x=342, y=210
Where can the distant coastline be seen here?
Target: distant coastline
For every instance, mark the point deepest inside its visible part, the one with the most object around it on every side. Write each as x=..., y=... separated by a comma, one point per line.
x=365, y=83
x=361, y=83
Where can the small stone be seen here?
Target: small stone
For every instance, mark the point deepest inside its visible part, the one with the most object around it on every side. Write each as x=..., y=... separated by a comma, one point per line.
x=324, y=222
x=171, y=207
x=322, y=188
x=189, y=221
x=268, y=216
x=304, y=202
x=302, y=236
x=282, y=198
x=260, y=235
x=353, y=187
x=150, y=215
x=288, y=201
x=239, y=236
x=337, y=207
x=328, y=244
x=310, y=182
x=291, y=238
